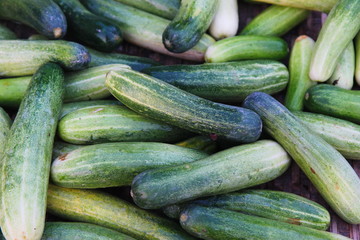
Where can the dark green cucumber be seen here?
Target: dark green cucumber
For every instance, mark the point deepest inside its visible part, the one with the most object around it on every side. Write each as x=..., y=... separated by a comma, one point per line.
x=326, y=168
x=247, y=48
x=25, y=168
x=108, y=211
x=202, y=143
x=275, y=21
x=221, y=224
x=6, y=33
x=225, y=82
x=226, y=171
x=334, y=101
x=22, y=57
x=188, y=26
x=344, y=136
x=116, y=164
x=101, y=124
x=89, y=28
x=159, y=100
x=5, y=123
x=43, y=15
x=61, y=148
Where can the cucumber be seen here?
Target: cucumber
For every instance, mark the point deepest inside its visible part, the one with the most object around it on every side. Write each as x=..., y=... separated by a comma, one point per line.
x=12, y=91
x=221, y=224
x=226, y=171
x=201, y=143
x=339, y=29
x=88, y=28
x=43, y=15
x=144, y=29
x=188, y=26
x=162, y=8
x=116, y=164
x=275, y=21
x=280, y=206
x=6, y=33
x=357, y=58
x=26, y=162
x=101, y=124
x=226, y=20
x=159, y=100
x=247, y=48
x=326, y=168
x=343, y=75
x=299, y=66
x=5, y=124
x=344, y=136
x=22, y=57
x=108, y=211
x=61, y=148
x=334, y=101
x=225, y=82
x=72, y=107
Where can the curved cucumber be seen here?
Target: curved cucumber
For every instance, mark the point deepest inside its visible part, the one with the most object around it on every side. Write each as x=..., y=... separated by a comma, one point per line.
x=5, y=123
x=334, y=101
x=25, y=168
x=226, y=171
x=326, y=168
x=72, y=107
x=111, y=212
x=225, y=82
x=22, y=57
x=247, y=48
x=275, y=21
x=159, y=100
x=116, y=164
x=226, y=20
x=220, y=224
x=201, y=143
x=6, y=33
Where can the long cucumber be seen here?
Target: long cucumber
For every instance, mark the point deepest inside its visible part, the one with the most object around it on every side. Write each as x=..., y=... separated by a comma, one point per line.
x=226, y=20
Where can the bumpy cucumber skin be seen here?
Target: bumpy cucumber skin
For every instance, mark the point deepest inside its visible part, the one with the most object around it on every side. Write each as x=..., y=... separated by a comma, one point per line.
x=22, y=57
x=226, y=171
x=221, y=224
x=6, y=33
x=25, y=168
x=326, y=168
x=190, y=23
x=43, y=15
x=159, y=100
x=5, y=123
x=275, y=21
x=225, y=82
x=108, y=211
x=334, y=101
x=201, y=143
x=247, y=48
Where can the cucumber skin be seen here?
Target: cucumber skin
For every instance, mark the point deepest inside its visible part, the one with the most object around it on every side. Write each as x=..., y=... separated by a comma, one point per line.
x=108, y=211
x=326, y=168
x=225, y=82
x=201, y=143
x=220, y=224
x=146, y=95
x=188, y=26
x=6, y=34
x=5, y=124
x=334, y=101
x=275, y=21
x=247, y=48
x=25, y=169
x=223, y=172
x=344, y=136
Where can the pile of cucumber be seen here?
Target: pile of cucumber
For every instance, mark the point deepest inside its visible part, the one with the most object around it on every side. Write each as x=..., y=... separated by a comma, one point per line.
x=114, y=146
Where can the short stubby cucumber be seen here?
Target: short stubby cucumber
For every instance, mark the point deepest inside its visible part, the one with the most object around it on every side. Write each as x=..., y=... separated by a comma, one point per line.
x=156, y=99
x=226, y=20
x=202, y=143
x=226, y=171
x=6, y=33
x=5, y=123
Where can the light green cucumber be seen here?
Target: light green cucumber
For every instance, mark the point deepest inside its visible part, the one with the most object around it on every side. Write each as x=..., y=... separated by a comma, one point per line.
x=299, y=66
x=5, y=123
x=315, y=5
x=61, y=148
x=6, y=33
x=202, y=143
x=108, y=211
x=25, y=168
x=357, y=58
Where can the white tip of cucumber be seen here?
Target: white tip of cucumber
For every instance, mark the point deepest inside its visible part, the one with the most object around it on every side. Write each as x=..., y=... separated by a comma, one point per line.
x=318, y=76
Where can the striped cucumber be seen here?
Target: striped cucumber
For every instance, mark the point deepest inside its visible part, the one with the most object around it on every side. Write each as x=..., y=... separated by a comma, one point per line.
x=108, y=211
x=72, y=107
x=226, y=171
x=116, y=164
x=6, y=33
x=27, y=156
x=144, y=29
x=226, y=20
x=159, y=100
x=5, y=123
x=326, y=168
x=61, y=148
x=101, y=124
x=275, y=21
x=357, y=58
x=299, y=66
x=247, y=48
x=225, y=82
x=189, y=25
x=340, y=28
x=201, y=143
x=334, y=101
x=221, y=224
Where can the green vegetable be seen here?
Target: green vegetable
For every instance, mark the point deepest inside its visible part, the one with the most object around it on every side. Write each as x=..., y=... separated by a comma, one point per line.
x=5, y=124
x=61, y=148
x=12, y=91
x=357, y=58
x=201, y=143
x=6, y=33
